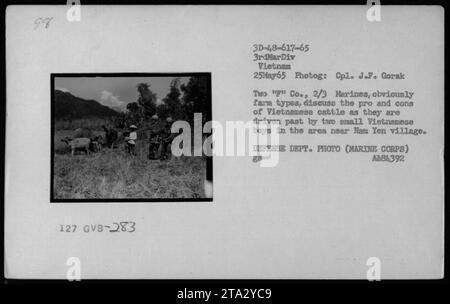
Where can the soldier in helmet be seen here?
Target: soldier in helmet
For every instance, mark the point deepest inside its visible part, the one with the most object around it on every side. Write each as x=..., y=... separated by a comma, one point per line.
x=155, y=136
x=167, y=138
x=160, y=140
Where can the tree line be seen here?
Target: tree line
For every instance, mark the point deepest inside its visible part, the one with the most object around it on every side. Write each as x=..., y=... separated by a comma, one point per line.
x=182, y=101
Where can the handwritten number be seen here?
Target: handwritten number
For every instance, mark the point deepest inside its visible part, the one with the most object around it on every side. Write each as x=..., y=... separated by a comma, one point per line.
x=42, y=22
x=132, y=224
x=117, y=229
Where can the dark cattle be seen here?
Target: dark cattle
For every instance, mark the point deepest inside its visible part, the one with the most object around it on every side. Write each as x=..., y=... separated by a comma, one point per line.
x=110, y=137
x=96, y=143
x=81, y=132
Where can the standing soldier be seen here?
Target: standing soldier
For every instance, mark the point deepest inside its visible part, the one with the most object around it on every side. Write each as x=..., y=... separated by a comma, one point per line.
x=154, y=151
x=167, y=139
x=160, y=140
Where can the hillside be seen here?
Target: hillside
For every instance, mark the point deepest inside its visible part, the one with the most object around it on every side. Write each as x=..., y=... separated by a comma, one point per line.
x=69, y=106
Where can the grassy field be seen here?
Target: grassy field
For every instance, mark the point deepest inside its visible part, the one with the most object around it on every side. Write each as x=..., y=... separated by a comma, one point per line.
x=112, y=173
x=91, y=123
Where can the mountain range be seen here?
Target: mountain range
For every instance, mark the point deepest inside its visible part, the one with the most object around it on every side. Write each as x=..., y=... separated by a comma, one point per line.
x=68, y=106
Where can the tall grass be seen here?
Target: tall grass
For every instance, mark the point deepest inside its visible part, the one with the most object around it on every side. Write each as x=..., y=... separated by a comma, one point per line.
x=113, y=173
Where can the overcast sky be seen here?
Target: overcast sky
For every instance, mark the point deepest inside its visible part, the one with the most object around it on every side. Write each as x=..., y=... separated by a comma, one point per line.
x=113, y=91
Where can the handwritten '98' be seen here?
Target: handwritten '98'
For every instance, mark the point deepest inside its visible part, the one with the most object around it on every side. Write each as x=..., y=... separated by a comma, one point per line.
x=42, y=22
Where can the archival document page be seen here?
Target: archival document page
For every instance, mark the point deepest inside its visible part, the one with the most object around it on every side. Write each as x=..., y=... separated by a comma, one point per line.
x=224, y=142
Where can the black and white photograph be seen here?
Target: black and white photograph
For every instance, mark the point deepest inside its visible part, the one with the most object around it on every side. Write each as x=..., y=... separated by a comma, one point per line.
x=112, y=137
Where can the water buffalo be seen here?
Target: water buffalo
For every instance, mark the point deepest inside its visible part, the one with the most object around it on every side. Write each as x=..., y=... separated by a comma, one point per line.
x=81, y=132
x=96, y=143
x=110, y=136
